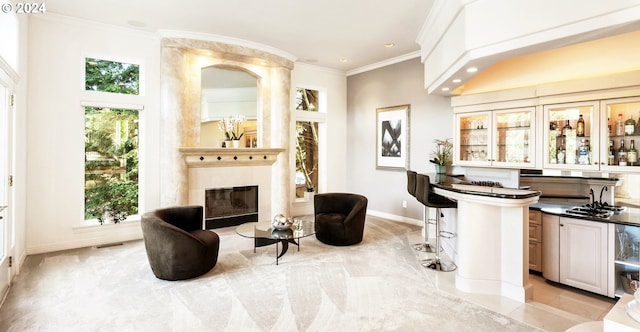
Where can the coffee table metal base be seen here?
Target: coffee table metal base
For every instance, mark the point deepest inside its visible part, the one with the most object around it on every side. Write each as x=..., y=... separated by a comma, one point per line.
x=261, y=242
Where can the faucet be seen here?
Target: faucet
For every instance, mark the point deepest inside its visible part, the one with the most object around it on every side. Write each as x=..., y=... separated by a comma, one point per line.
x=604, y=188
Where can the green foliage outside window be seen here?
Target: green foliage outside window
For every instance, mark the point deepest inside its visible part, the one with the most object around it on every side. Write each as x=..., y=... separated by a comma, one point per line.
x=111, y=76
x=111, y=164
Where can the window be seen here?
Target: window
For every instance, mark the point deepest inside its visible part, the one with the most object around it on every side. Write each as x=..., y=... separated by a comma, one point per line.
x=308, y=138
x=111, y=142
x=111, y=164
x=111, y=76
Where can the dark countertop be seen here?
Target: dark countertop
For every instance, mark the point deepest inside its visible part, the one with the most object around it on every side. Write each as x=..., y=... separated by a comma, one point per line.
x=457, y=183
x=630, y=216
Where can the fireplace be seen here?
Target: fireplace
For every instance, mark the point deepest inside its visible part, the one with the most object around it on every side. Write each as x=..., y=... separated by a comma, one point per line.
x=230, y=206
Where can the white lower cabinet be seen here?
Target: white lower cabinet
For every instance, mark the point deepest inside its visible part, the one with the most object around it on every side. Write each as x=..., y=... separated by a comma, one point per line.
x=580, y=256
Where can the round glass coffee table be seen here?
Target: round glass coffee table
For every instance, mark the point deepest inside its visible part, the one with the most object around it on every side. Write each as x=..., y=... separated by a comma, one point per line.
x=264, y=235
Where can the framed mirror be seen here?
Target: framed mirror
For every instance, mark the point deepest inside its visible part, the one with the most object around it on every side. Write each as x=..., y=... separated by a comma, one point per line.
x=228, y=93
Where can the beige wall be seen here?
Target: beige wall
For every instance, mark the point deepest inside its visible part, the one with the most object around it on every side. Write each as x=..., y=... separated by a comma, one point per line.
x=430, y=117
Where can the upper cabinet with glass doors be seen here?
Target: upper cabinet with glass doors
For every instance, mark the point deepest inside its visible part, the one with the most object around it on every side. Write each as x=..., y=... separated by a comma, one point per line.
x=502, y=138
x=620, y=135
x=570, y=136
x=596, y=135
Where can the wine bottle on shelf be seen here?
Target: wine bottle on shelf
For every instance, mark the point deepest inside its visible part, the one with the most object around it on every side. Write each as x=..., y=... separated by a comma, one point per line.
x=630, y=126
x=561, y=153
x=620, y=126
x=622, y=154
x=566, y=127
x=632, y=155
x=609, y=125
x=611, y=159
x=580, y=127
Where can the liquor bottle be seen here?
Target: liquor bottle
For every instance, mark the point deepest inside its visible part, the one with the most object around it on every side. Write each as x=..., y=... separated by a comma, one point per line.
x=561, y=153
x=566, y=127
x=609, y=125
x=620, y=126
x=630, y=126
x=611, y=159
x=622, y=154
x=583, y=153
x=632, y=155
x=580, y=127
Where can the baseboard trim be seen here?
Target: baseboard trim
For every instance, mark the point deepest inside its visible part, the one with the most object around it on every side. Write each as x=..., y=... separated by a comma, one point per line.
x=394, y=217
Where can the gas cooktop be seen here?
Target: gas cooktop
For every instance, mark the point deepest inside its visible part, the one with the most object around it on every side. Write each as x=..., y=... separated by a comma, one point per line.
x=596, y=210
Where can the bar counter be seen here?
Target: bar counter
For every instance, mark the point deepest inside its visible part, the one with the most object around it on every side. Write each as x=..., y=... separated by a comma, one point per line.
x=492, y=236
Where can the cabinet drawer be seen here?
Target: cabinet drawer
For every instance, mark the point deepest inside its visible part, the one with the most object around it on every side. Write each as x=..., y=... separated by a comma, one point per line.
x=535, y=217
x=535, y=232
x=535, y=256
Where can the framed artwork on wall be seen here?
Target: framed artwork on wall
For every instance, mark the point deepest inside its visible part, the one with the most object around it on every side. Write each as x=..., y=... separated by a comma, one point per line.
x=392, y=137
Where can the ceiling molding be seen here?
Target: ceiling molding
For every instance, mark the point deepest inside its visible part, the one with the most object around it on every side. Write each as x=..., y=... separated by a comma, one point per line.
x=384, y=63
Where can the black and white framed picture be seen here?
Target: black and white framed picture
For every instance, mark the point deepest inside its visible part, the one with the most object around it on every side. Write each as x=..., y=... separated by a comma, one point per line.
x=392, y=137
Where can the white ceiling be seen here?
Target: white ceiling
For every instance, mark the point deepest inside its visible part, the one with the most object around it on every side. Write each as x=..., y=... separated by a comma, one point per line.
x=317, y=32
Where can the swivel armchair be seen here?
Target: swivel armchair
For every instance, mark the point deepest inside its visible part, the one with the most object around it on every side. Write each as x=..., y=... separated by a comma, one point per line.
x=177, y=245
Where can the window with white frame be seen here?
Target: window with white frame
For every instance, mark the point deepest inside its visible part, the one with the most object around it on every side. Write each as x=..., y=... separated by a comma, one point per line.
x=309, y=118
x=111, y=143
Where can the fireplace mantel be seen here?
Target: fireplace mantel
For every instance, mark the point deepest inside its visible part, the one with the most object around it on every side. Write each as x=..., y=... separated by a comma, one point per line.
x=224, y=157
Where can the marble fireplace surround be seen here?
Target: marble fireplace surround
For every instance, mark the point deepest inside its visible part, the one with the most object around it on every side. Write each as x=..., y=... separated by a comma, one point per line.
x=188, y=168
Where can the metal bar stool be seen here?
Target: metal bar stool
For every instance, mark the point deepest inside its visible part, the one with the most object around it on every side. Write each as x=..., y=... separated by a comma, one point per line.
x=432, y=200
x=414, y=188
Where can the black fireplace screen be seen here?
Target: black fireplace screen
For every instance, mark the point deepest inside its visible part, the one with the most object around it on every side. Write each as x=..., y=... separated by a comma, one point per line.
x=230, y=206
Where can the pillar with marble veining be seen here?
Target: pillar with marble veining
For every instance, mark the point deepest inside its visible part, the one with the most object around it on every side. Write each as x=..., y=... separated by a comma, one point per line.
x=179, y=123
x=281, y=138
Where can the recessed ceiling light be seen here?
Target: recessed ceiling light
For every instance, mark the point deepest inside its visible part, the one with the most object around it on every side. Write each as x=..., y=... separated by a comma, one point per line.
x=389, y=45
x=445, y=89
x=344, y=60
x=457, y=80
x=472, y=70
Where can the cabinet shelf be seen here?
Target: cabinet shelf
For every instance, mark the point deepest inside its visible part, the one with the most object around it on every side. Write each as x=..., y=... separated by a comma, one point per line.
x=629, y=262
x=472, y=129
x=515, y=128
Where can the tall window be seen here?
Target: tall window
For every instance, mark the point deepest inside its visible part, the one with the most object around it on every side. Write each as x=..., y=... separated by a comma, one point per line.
x=307, y=141
x=111, y=164
x=111, y=144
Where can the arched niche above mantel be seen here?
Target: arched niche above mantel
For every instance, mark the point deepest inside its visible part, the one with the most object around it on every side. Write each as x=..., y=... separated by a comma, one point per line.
x=182, y=61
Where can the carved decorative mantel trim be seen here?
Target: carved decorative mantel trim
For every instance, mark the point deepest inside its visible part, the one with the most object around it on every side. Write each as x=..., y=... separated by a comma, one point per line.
x=228, y=157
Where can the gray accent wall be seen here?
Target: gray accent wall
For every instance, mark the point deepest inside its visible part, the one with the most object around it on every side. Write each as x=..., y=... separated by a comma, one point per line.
x=431, y=117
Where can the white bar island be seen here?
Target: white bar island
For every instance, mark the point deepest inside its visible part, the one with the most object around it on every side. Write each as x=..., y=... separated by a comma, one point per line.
x=492, y=237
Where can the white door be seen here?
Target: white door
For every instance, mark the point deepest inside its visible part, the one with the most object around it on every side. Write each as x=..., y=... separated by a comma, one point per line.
x=5, y=197
x=583, y=254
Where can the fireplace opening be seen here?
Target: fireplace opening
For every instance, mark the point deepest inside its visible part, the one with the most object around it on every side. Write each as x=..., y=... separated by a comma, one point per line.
x=230, y=206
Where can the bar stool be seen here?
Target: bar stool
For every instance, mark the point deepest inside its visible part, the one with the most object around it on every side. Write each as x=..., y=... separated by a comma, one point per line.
x=433, y=200
x=418, y=189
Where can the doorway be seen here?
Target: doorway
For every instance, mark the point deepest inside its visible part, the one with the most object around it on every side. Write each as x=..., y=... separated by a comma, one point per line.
x=6, y=131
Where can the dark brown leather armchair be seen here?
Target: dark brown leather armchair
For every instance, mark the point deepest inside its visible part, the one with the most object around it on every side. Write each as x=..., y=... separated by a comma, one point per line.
x=177, y=246
x=339, y=218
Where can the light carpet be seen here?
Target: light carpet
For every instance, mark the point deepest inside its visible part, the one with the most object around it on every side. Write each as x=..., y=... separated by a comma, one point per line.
x=377, y=285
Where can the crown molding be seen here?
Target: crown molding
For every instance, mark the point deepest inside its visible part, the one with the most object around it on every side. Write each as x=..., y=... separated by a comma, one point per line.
x=384, y=63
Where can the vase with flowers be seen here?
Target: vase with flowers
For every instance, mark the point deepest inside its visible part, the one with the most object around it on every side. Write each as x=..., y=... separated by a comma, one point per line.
x=230, y=126
x=442, y=154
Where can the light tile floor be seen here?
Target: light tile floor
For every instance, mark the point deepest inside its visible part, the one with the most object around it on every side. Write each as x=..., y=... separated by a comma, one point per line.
x=554, y=307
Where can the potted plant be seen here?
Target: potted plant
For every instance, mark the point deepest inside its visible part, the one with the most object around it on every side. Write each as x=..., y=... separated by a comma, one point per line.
x=230, y=126
x=442, y=155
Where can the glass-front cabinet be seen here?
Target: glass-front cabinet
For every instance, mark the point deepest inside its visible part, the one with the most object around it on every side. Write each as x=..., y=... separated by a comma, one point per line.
x=596, y=135
x=502, y=138
x=620, y=135
x=571, y=136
